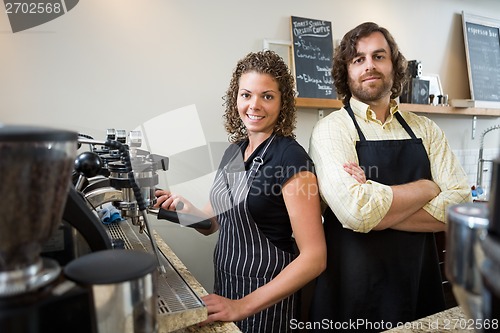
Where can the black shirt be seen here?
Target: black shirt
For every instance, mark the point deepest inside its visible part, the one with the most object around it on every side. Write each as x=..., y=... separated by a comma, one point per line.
x=283, y=159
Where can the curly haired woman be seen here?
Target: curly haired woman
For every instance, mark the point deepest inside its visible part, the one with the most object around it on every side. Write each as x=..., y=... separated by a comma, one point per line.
x=264, y=202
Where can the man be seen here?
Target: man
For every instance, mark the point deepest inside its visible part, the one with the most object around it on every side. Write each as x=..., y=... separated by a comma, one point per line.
x=388, y=177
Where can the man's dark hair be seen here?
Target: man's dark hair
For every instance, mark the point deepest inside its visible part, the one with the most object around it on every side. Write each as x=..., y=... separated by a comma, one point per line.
x=346, y=51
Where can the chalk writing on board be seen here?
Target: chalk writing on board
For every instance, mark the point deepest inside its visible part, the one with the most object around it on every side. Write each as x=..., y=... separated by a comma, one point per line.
x=483, y=51
x=312, y=46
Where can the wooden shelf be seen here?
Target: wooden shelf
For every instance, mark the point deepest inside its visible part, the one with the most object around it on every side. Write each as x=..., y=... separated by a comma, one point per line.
x=449, y=110
x=321, y=104
x=318, y=103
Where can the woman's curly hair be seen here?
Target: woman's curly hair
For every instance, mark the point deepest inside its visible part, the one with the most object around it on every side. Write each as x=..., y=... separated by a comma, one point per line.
x=265, y=62
x=346, y=51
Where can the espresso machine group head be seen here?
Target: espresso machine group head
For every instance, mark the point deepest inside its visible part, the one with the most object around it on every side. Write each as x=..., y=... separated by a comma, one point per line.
x=104, y=173
x=105, y=176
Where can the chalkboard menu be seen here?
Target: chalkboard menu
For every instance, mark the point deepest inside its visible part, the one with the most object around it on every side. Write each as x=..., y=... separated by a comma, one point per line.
x=482, y=44
x=312, y=48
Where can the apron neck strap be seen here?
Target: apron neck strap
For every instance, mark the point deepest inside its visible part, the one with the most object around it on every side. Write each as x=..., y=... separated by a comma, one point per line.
x=259, y=160
x=351, y=114
x=398, y=116
x=405, y=125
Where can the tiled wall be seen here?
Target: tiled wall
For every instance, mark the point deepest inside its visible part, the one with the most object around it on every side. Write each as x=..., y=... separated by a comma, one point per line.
x=469, y=159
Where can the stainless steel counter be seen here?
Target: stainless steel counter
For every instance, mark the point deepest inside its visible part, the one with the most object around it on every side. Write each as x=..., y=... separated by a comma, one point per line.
x=180, y=308
x=198, y=289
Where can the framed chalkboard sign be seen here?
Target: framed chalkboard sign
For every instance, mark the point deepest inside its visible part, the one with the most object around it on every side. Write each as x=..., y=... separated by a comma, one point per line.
x=482, y=48
x=312, y=49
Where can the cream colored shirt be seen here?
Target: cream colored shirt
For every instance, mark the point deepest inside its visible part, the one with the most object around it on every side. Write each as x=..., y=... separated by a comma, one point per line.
x=361, y=207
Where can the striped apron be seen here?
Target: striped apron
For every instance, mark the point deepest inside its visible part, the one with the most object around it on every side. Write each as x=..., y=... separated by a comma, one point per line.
x=244, y=258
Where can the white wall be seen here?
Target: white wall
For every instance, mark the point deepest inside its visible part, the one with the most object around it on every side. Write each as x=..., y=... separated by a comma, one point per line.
x=117, y=63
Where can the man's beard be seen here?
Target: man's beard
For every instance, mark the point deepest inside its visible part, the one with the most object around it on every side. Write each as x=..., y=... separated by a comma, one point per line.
x=365, y=93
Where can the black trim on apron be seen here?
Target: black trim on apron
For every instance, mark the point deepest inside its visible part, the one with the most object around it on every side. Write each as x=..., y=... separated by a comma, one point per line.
x=386, y=276
x=244, y=258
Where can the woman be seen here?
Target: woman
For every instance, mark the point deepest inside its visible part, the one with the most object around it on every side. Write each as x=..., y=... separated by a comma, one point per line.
x=264, y=191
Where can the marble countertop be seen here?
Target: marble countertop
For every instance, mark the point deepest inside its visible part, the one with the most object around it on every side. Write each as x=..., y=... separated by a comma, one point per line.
x=451, y=320
x=217, y=327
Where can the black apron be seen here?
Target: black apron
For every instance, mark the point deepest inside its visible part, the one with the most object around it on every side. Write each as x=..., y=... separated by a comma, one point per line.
x=244, y=258
x=386, y=276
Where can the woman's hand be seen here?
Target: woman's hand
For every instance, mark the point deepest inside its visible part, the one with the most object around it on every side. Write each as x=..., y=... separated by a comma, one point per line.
x=355, y=171
x=170, y=201
x=223, y=309
x=174, y=202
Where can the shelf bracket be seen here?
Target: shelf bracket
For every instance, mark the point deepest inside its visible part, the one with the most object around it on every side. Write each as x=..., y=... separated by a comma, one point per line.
x=321, y=114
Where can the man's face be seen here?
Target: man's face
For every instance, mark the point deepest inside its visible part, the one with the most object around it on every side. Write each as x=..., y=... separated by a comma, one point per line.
x=370, y=72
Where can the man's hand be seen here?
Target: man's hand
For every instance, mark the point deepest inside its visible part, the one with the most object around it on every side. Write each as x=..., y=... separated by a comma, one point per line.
x=355, y=171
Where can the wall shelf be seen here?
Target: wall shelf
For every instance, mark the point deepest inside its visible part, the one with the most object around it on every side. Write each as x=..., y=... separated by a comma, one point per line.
x=322, y=104
x=318, y=103
x=450, y=110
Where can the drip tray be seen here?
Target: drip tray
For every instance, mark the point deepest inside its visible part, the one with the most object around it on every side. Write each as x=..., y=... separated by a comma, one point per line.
x=178, y=305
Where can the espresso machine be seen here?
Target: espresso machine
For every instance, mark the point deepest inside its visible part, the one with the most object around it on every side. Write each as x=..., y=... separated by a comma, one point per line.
x=490, y=271
x=119, y=172
x=473, y=257
x=57, y=259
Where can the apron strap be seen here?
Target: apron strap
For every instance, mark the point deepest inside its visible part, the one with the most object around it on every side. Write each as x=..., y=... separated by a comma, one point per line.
x=351, y=113
x=398, y=115
x=258, y=161
x=403, y=123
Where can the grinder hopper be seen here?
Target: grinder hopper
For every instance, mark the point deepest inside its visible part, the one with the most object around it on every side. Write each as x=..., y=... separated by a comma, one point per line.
x=35, y=176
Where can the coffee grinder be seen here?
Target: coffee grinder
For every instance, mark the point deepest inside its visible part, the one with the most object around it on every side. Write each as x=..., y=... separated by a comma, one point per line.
x=35, y=175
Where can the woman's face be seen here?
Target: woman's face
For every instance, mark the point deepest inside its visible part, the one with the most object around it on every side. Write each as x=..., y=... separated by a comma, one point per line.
x=259, y=102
